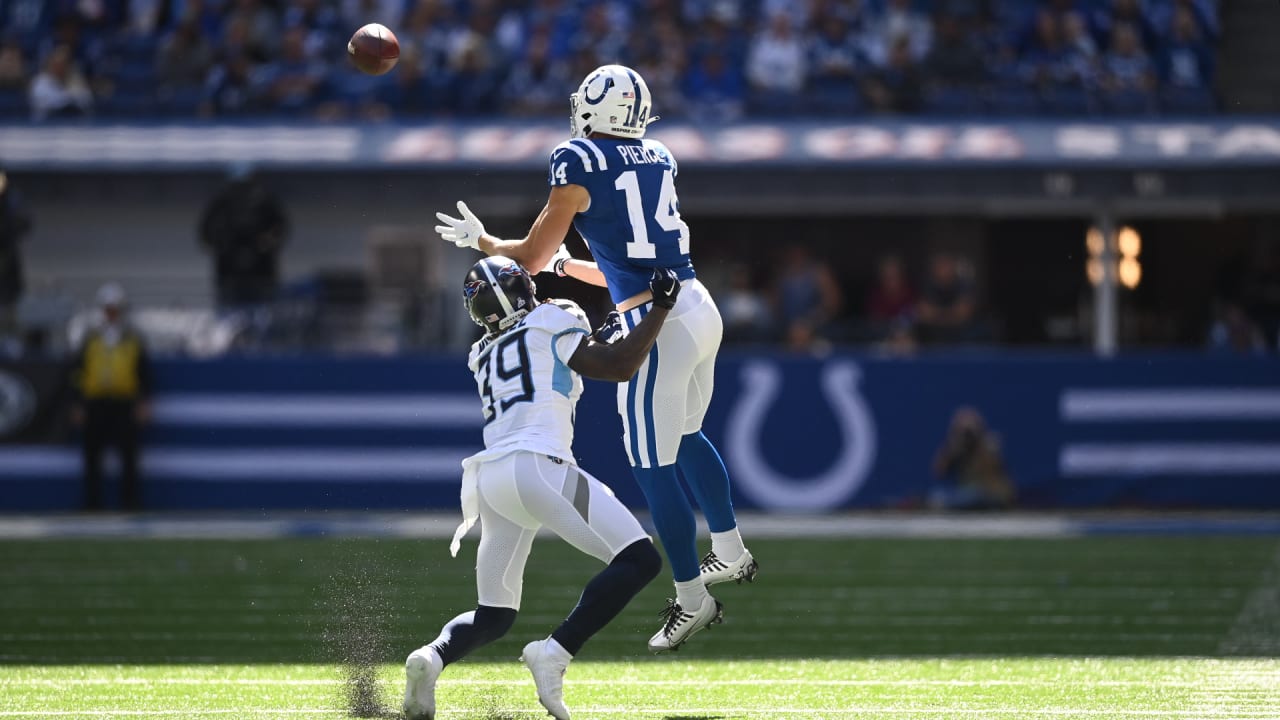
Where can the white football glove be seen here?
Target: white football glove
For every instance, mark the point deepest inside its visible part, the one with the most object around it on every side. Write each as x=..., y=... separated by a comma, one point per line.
x=464, y=232
x=557, y=261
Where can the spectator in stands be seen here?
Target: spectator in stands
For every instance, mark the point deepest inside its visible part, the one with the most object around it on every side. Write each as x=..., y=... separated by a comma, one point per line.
x=410, y=93
x=1259, y=290
x=185, y=56
x=356, y=13
x=947, y=306
x=112, y=381
x=899, y=20
x=60, y=90
x=1059, y=71
x=1187, y=64
x=1203, y=14
x=776, y=67
x=477, y=67
x=233, y=88
x=538, y=82
x=146, y=18
x=244, y=227
x=808, y=299
x=898, y=86
x=1077, y=37
x=600, y=35
x=321, y=24
x=747, y=317
x=15, y=224
x=969, y=467
x=835, y=61
x=715, y=90
x=1123, y=12
x=1128, y=75
x=955, y=66
x=296, y=82
x=257, y=27
x=658, y=49
x=891, y=296
x=13, y=66
x=854, y=14
x=428, y=31
x=477, y=78
x=1234, y=332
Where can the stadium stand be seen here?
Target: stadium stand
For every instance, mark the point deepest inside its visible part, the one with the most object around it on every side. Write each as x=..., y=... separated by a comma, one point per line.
x=231, y=59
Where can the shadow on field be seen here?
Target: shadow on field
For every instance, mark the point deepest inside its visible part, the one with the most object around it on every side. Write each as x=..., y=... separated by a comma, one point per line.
x=363, y=602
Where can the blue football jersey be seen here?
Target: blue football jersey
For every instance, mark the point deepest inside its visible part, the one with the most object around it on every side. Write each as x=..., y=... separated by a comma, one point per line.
x=633, y=223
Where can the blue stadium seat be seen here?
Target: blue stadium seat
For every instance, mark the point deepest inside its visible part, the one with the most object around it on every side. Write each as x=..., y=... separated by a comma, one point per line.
x=1188, y=101
x=1013, y=100
x=13, y=104
x=1066, y=100
x=953, y=101
x=135, y=75
x=128, y=103
x=1129, y=102
x=181, y=101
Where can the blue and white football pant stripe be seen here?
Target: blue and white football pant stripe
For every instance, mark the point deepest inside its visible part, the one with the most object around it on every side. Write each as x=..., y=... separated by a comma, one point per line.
x=668, y=397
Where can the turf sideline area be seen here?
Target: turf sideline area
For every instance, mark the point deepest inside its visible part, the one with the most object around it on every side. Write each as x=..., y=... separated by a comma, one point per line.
x=239, y=526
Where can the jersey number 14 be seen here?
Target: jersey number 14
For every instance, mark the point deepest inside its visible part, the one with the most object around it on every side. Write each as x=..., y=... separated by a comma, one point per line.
x=666, y=214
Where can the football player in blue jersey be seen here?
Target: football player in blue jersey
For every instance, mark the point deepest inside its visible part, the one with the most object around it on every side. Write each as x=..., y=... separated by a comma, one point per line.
x=618, y=189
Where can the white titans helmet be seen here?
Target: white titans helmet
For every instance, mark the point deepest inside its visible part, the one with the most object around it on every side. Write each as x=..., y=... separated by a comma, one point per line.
x=613, y=99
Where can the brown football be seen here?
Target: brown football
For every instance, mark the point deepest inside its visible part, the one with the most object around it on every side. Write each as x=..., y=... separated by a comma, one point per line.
x=374, y=49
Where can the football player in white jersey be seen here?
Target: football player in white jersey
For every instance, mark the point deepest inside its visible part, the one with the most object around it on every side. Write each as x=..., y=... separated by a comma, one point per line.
x=617, y=188
x=528, y=369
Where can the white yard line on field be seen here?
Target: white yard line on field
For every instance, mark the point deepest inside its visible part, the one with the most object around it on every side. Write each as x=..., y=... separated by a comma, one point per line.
x=270, y=682
x=1256, y=630
x=870, y=711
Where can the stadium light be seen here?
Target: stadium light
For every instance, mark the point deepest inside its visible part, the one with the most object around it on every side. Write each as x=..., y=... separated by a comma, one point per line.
x=1128, y=266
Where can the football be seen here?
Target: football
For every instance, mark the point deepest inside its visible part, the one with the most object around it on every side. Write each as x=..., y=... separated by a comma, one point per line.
x=374, y=49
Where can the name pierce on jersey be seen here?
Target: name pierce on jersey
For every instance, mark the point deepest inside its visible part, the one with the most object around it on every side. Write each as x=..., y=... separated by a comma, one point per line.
x=639, y=155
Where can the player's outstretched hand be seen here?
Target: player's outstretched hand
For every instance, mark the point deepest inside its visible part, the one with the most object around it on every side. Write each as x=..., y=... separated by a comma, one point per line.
x=557, y=261
x=665, y=287
x=464, y=232
x=610, y=331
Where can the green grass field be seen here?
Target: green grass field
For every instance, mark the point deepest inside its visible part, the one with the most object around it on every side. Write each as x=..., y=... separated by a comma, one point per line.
x=1123, y=627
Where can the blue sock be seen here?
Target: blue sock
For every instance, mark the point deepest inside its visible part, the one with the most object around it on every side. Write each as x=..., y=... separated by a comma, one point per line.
x=607, y=593
x=672, y=518
x=708, y=479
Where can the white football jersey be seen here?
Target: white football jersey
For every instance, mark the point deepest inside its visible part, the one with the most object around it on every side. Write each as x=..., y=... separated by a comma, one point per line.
x=526, y=387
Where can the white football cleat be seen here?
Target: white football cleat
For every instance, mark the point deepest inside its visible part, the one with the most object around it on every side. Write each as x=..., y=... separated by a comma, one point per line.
x=421, y=671
x=547, y=662
x=714, y=570
x=678, y=625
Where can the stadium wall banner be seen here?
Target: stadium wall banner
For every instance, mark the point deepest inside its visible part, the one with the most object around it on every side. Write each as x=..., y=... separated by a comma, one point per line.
x=32, y=403
x=1253, y=141
x=797, y=434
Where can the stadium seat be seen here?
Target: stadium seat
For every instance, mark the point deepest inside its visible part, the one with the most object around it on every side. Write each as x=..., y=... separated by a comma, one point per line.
x=1188, y=101
x=953, y=101
x=13, y=104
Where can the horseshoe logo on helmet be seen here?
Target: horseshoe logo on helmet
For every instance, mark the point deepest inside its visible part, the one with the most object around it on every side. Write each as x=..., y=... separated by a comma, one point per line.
x=828, y=489
x=586, y=89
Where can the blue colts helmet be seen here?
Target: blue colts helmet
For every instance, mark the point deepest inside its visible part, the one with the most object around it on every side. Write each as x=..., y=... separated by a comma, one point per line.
x=498, y=292
x=613, y=99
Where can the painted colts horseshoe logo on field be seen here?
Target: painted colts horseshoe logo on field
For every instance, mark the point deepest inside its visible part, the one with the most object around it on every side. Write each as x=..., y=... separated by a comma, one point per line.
x=745, y=433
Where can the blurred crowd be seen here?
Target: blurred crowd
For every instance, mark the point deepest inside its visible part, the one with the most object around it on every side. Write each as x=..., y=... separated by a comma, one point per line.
x=806, y=308
x=717, y=59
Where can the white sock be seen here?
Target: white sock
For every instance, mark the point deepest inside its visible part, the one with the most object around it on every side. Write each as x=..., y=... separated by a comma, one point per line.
x=691, y=594
x=727, y=545
x=557, y=650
